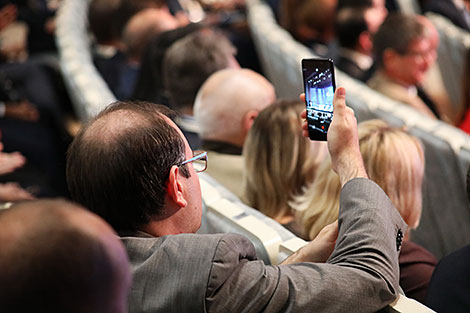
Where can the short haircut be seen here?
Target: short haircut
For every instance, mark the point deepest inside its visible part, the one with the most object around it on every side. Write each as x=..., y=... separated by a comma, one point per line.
x=393, y=159
x=104, y=10
x=119, y=163
x=149, y=86
x=397, y=32
x=279, y=161
x=49, y=262
x=190, y=61
x=350, y=24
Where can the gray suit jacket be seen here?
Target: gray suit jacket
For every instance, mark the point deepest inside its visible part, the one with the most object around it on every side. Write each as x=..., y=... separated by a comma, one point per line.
x=220, y=273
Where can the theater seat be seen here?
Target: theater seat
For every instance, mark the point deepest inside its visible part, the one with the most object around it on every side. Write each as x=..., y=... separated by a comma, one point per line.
x=452, y=53
x=87, y=89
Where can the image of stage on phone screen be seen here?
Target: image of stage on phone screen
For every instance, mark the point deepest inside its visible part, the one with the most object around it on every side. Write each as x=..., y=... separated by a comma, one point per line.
x=319, y=93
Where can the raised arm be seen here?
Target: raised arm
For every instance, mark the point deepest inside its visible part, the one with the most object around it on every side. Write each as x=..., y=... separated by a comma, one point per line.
x=362, y=273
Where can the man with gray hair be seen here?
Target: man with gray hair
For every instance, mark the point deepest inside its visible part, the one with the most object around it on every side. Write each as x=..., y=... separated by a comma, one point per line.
x=225, y=109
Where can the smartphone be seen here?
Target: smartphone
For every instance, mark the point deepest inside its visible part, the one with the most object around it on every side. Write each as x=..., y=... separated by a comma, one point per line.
x=319, y=86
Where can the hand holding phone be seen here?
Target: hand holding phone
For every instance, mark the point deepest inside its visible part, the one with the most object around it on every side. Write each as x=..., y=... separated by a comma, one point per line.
x=319, y=86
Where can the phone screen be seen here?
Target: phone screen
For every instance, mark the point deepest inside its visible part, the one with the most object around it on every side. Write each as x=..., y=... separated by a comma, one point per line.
x=319, y=85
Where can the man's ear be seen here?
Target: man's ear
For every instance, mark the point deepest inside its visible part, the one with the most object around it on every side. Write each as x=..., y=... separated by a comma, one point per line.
x=175, y=189
x=365, y=42
x=389, y=58
x=249, y=119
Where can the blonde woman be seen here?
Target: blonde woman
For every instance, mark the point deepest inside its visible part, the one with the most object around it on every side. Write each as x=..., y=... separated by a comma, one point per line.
x=395, y=161
x=279, y=161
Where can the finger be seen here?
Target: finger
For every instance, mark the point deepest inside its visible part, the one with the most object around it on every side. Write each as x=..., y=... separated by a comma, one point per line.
x=303, y=114
x=339, y=100
x=302, y=97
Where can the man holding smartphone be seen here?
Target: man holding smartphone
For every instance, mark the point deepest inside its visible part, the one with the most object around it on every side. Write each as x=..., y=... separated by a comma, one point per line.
x=157, y=209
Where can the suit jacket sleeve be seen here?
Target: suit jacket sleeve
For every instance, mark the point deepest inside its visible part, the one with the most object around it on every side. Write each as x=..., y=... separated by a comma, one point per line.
x=360, y=276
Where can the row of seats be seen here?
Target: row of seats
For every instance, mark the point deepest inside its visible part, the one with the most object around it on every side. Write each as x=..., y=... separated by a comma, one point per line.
x=87, y=89
x=452, y=54
x=444, y=224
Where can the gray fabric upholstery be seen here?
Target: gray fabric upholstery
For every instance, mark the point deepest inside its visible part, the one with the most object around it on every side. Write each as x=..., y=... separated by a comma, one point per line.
x=88, y=91
x=213, y=222
x=452, y=52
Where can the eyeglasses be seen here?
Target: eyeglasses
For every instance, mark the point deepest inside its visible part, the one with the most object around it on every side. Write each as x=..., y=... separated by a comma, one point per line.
x=199, y=161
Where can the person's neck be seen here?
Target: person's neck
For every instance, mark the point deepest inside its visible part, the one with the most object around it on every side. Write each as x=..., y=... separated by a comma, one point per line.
x=162, y=228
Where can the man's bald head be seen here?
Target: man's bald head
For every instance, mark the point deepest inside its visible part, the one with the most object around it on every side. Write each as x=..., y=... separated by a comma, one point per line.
x=58, y=257
x=228, y=101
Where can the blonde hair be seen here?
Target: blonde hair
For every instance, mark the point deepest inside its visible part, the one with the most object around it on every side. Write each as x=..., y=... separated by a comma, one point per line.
x=393, y=159
x=278, y=159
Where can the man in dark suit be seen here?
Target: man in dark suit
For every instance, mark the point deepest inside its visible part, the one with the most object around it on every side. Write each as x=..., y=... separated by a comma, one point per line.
x=355, y=41
x=455, y=10
x=133, y=166
x=356, y=23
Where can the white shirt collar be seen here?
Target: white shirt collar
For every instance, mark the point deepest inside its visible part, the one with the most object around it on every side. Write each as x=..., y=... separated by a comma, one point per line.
x=362, y=60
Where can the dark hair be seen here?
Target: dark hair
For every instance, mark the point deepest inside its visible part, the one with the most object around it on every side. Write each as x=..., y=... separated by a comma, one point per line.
x=354, y=4
x=190, y=61
x=107, y=18
x=104, y=10
x=396, y=33
x=119, y=163
x=350, y=23
x=149, y=86
x=53, y=266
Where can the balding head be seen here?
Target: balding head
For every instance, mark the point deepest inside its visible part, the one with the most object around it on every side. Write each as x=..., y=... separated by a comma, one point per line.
x=58, y=257
x=118, y=164
x=228, y=102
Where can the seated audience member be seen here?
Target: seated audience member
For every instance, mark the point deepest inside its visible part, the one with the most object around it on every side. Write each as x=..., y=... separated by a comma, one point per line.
x=109, y=52
x=225, y=109
x=157, y=209
x=404, y=52
x=279, y=161
x=355, y=44
x=186, y=66
x=314, y=25
x=457, y=11
x=149, y=86
x=33, y=124
x=395, y=161
x=138, y=32
x=57, y=257
x=356, y=23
